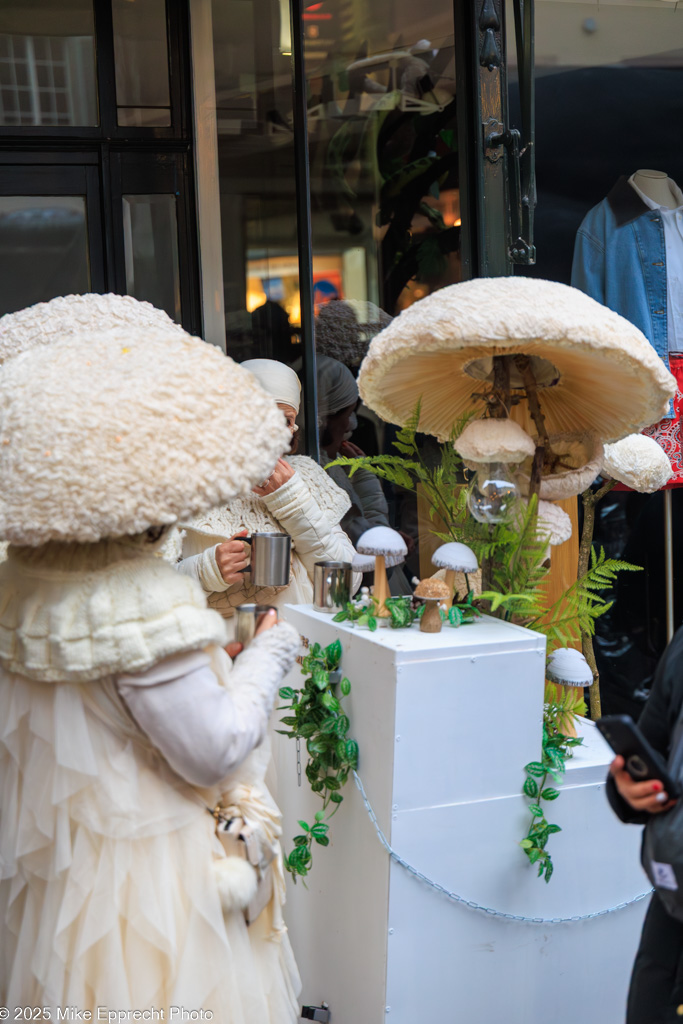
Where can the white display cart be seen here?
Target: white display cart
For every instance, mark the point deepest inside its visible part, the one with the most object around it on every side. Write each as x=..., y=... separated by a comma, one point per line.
x=445, y=724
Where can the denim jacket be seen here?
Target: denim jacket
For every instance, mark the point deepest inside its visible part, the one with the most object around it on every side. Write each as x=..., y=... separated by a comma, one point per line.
x=620, y=260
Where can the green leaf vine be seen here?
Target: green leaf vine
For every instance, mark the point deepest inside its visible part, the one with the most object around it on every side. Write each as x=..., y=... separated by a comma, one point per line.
x=316, y=716
x=557, y=748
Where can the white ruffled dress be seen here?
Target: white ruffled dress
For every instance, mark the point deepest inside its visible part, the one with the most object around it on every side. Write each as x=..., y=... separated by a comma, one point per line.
x=108, y=896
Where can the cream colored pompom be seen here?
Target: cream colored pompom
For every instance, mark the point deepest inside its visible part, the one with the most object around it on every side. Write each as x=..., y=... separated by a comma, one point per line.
x=639, y=462
x=47, y=322
x=494, y=441
x=237, y=882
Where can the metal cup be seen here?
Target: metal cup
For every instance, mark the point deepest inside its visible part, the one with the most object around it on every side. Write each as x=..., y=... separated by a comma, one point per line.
x=331, y=586
x=247, y=619
x=270, y=558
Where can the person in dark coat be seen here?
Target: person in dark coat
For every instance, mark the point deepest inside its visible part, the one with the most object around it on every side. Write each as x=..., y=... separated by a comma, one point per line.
x=656, y=992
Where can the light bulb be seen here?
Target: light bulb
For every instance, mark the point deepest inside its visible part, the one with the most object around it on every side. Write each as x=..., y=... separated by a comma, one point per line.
x=492, y=493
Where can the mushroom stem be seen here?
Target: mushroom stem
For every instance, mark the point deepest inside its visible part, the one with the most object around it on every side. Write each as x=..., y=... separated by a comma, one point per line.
x=430, y=621
x=501, y=387
x=467, y=581
x=590, y=500
x=450, y=580
x=523, y=364
x=380, y=591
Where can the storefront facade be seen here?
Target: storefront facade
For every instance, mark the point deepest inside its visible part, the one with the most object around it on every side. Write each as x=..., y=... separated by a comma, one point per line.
x=245, y=164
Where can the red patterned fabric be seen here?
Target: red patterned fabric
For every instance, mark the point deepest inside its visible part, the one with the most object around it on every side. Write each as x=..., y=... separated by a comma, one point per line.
x=667, y=433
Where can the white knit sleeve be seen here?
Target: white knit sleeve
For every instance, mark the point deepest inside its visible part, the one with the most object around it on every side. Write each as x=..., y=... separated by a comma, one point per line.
x=203, y=729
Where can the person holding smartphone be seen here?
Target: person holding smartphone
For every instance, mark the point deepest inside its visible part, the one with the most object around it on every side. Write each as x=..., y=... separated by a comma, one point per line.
x=656, y=990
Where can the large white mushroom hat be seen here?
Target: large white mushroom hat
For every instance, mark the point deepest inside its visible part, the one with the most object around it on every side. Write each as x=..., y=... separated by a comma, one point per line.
x=595, y=371
x=109, y=433
x=47, y=322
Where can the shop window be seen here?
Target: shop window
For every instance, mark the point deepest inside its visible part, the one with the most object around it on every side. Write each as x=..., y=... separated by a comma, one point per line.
x=141, y=63
x=47, y=63
x=150, y=235
x=609, y=102
x=385, y=196
x=43, y=249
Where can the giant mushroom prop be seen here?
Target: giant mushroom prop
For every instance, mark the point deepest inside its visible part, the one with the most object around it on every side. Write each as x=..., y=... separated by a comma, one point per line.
x=388, y=548
x=546, y=355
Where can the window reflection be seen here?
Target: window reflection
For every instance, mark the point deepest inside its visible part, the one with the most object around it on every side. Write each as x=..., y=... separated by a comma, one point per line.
x=386, y=203
x=43, y=249
x=150, y=232
x=630, y=57
x=141, y=62
x=47, y=63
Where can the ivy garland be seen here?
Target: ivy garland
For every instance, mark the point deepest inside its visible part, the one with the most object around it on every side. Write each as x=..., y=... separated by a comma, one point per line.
x=316, y=716
x=557, y=749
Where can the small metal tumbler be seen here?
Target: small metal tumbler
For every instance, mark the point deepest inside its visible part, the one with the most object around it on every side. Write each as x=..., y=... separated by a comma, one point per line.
x=247, y=618
x=331, y=586
x=270, y=558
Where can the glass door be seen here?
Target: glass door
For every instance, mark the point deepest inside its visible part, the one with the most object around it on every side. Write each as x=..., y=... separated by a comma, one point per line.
x=50, y=232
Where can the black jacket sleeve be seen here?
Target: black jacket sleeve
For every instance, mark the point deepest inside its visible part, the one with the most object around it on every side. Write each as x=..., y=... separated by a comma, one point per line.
x=657, y=720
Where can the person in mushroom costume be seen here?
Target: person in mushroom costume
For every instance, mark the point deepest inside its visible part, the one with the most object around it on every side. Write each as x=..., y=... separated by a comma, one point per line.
x=116, y=693
x=297, y=498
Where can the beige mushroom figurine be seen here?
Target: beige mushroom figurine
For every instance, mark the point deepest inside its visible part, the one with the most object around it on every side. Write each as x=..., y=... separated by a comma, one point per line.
x=455, y=557
x=388, y=548
x=433, y=592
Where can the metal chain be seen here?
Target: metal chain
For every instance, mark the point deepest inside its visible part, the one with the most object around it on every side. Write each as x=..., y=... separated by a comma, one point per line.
x=298, y=761
x=471, y=903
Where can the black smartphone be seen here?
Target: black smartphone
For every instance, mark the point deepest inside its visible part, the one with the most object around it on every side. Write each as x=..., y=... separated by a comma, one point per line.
x=640, y=760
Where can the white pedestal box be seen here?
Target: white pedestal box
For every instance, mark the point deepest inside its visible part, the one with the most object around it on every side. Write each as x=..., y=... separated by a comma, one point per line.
x=445, y=724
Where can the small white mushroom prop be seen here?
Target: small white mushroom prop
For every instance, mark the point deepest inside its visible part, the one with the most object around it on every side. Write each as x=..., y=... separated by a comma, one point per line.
x=494, y=441
x=568, y=667
x=638, y=462
x=455, y=557
x=388, y=548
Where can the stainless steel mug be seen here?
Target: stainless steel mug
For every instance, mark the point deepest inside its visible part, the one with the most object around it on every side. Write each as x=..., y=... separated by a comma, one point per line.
x=247, y=619
x=331, y=586
x=270, y=558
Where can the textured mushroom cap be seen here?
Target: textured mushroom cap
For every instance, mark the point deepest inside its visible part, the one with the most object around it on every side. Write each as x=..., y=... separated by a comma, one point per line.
x=382, y=540
x=581, y=455
x=455, y=556
x=610, y=379
x=47, y=322
x=638, y=462
x=432, y=589
x=553, y=523
x=494, y=441
x=363, y=563
x=569, y=668
x=104, y=434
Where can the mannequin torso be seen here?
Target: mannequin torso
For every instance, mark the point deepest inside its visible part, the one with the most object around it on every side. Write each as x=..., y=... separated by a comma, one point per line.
x=657, y=186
